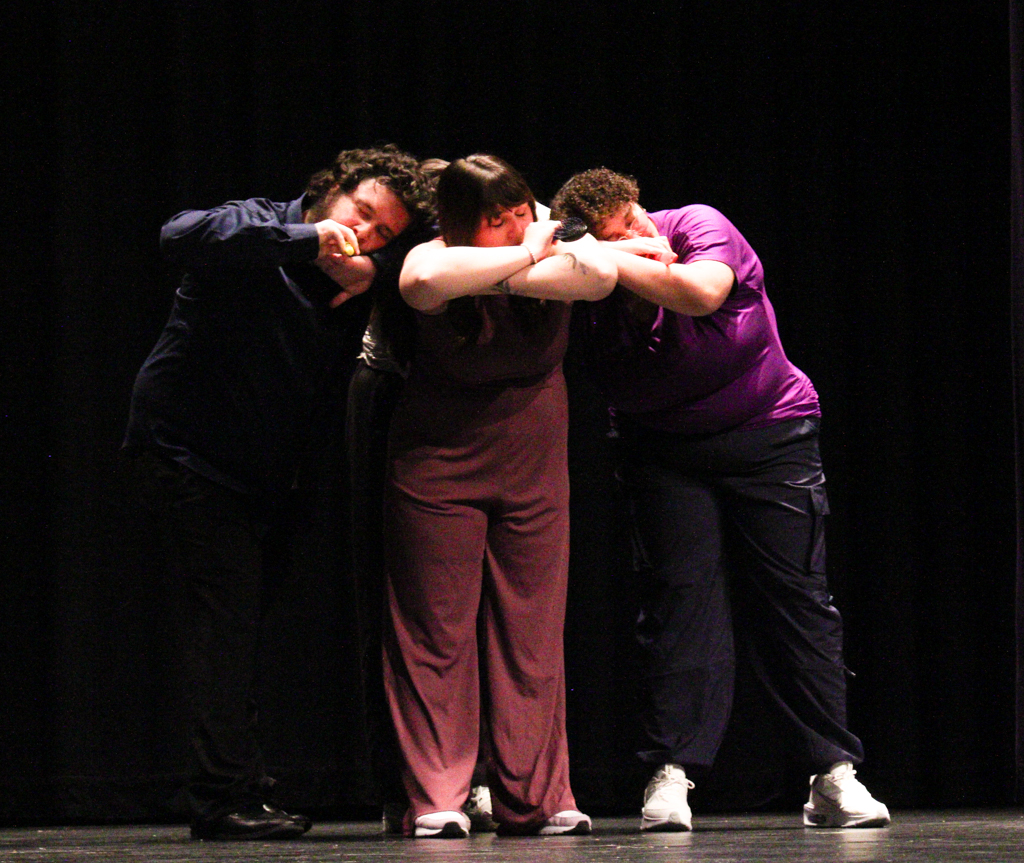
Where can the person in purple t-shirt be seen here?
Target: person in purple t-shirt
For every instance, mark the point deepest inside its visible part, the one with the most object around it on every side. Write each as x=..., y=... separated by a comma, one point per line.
x=718, y=436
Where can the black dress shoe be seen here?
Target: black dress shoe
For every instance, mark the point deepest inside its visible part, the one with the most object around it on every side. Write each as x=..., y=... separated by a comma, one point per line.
x=257, y=821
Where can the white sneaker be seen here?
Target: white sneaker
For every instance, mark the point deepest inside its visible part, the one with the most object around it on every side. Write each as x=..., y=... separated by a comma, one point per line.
x=442, y=825
x=838, y=799
x=568, y=822
x=479, y=810
x=665, y=806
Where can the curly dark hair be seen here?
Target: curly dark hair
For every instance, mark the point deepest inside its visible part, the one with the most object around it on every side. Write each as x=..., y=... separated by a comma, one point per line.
x=594, y=195
x=393, y=168
x=432, y=169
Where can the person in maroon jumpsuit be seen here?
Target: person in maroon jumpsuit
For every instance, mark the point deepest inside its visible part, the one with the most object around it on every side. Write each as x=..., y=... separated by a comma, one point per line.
x=476, y=509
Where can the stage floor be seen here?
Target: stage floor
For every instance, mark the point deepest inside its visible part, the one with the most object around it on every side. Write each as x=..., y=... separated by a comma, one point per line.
x=913, y=837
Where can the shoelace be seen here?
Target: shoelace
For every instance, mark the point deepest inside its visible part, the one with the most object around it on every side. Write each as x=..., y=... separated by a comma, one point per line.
x=665, y=781
x=849, y=786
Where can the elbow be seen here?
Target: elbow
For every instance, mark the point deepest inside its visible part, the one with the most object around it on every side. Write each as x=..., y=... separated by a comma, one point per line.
x=694, y=307
x=713, y=292
x=710, y=302
x=605, y=277
x=182, y=234
x=169, y=235
x=704, y=306
x=418, y=291
x=700, y=302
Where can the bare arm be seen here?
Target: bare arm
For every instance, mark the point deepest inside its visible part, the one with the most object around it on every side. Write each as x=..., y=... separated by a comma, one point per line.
x=434, y=274
x=579, y=270
x=694, y=289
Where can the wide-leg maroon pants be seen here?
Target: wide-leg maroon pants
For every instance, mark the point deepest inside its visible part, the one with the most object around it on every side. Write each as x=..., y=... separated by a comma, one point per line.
x=477, y=532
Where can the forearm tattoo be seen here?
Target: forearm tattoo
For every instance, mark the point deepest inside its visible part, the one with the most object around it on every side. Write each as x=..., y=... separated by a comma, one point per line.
x=575, y=263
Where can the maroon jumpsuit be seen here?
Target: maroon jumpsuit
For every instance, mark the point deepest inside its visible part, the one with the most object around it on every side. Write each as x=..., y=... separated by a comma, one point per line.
x=477, y=525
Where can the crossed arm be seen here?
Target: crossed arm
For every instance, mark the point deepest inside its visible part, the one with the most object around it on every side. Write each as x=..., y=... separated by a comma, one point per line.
x=256, y=233
x=646, y=266
x=340, y=259
x=541, y=267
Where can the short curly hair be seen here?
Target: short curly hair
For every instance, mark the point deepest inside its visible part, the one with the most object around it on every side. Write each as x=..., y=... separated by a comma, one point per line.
x=594, y=195
x=390, y=166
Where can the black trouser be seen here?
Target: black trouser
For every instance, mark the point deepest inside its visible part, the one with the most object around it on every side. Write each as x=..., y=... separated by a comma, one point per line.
x=229, y=554
x=372, y=396
x=729, y=540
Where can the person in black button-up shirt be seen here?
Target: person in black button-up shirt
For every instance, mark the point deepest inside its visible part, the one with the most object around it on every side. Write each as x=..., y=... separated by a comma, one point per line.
x=224, y=420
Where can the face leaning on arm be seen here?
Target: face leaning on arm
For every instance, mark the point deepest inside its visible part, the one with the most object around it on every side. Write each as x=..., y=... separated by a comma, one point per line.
x=507, y=228
x=629, y=221
x=373, y=212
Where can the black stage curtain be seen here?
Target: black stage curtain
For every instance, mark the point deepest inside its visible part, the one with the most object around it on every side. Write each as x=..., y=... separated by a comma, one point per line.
x=1017, y=324
x=861, y=149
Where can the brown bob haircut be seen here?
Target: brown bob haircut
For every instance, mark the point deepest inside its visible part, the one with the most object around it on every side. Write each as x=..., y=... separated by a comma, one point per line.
x=477, y=186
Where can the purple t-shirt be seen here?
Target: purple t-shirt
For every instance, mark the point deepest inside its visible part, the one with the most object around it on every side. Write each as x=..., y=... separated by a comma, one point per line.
x=695, y=375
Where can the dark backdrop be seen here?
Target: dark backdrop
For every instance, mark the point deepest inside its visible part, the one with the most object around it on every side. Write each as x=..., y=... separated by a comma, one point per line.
x=862, y=148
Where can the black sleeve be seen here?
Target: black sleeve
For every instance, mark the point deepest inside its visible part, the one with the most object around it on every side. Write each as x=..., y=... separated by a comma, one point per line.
x=243, y=234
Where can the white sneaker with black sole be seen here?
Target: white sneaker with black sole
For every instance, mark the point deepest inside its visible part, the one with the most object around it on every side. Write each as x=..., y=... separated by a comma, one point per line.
x=568, y=822
x=839, y=799
x=665, y=806
x=442, y=825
